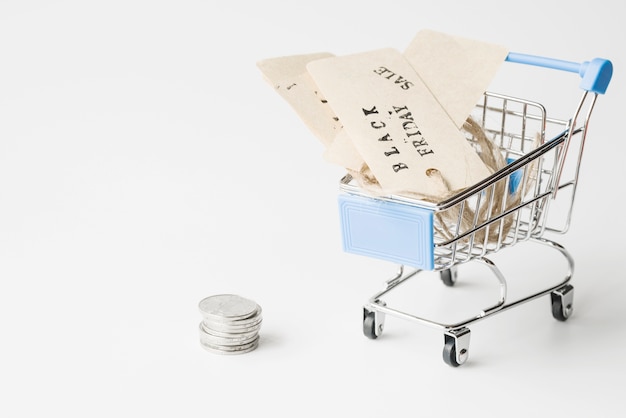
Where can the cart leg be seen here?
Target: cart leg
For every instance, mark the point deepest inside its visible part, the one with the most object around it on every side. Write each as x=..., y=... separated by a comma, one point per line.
x=562, y=302
x=373, y=322
x=456, y=346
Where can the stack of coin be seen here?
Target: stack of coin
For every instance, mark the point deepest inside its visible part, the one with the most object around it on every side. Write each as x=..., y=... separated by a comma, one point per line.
x=230, y=324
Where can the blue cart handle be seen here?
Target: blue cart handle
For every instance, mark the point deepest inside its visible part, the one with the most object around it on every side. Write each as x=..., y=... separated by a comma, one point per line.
x=596, y=74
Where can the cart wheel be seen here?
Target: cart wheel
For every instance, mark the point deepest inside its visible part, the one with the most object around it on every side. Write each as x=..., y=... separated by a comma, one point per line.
x=449, y=353
x=562, y=302
x=456, y=341
x=448, y=276
x=372, y=324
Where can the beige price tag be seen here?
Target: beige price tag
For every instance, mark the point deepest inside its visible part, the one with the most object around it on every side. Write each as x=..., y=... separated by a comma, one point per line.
x=456, y=70
x=289, y=77
x=396, y=124
x=291, y=80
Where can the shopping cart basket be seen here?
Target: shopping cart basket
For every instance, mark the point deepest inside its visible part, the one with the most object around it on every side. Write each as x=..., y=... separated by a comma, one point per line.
x=511, y=206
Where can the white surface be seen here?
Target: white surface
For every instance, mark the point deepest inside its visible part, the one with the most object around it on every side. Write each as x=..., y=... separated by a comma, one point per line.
x=145, y=165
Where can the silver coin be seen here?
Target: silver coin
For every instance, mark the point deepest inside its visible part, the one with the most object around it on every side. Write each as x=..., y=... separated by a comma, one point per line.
x=211, y=323
x=227, y=352
x=242, y=321
x=229, y=333
x=234, y=333
x=230, y=324
x=217, y=340
x=238, y=349
x=226, y=338
x=225, y=342
x=227, y=306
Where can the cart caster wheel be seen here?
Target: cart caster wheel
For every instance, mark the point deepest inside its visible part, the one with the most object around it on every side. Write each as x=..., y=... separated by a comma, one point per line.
x=448, y=276
x=449, y=354
x=456, y=347
x=562, y=302
x=373, y=323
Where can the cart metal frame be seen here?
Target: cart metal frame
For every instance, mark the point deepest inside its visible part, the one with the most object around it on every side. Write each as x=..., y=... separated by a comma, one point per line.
x=545, y=157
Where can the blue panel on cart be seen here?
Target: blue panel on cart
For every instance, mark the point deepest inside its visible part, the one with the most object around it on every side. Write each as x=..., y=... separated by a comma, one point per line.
x=387, y=230
x=515, y=178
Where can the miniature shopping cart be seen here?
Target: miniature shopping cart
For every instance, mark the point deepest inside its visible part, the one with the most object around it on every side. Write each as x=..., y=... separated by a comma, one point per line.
x=542, y=157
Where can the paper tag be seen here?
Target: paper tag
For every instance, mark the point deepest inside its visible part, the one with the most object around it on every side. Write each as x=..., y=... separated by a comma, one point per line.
x=456, y=70
x=289, y=77
x=343, y=152
x=292, y=81
x=396, y=124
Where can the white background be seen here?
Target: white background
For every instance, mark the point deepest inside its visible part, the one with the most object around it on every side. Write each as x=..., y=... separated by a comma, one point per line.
x=145, y=164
